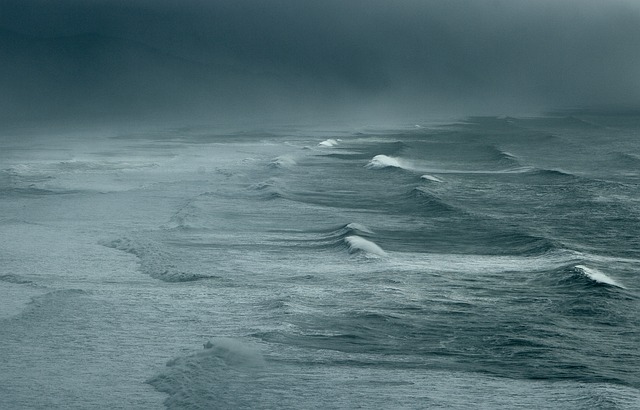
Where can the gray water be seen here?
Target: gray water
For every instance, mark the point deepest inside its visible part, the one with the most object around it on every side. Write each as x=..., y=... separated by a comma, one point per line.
x=487, y=263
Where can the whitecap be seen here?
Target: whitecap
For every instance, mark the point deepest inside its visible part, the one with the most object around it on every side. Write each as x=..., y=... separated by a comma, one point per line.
x=384, y=161
x=359, y=244
x=597, y=276
x=329, y=143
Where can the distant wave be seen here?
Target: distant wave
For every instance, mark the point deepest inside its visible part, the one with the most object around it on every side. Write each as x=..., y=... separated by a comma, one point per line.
x=31, y=191
x=153, y=260
x=597, y=276
x=554, y=174
x=15, y=279
x=360, y=229
x=503, y=158
x=627, y=159
x=329, y=143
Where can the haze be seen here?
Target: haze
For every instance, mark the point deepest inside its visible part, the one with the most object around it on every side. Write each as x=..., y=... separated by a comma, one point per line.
x=191, y=60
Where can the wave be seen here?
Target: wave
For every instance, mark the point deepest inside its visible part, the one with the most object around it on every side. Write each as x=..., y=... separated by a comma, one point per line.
x=357, y=228
x=431, y=178
x=268, y=190
x=577, y=273
x=99, y=166
x=227, y=373
x=552, y=174
x=33, y=191
x=524, y=244
x=508, y=158
x=597, y=276
x=351, y=236
x=384, y=161
x=430, y=202
x=282, y=162
x=153, y=260
x=358, y=244
x=184, y=218
x=329, y=142
x=15, y=279
x=626, y=159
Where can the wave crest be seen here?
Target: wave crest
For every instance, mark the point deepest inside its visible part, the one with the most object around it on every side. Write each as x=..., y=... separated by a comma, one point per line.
x=359, y=244
x=329, y=143
x=597, y=276
x=384, y=161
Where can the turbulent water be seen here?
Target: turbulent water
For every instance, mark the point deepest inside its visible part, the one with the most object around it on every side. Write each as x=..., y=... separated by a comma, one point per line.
x=488, y=263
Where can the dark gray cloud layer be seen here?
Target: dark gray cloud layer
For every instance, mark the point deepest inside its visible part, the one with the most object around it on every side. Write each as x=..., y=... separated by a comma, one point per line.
x=222, y=58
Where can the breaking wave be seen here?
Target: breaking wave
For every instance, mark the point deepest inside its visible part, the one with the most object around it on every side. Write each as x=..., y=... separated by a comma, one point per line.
x=225, y=374
x=384, y=161
x=358, y=244
x=329, y=143
x=597, y=276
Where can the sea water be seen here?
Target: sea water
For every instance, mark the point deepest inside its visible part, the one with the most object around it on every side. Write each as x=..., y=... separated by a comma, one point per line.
x=486, y=263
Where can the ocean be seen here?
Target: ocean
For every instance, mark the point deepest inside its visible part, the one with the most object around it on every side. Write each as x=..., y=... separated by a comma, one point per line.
x=487, y=262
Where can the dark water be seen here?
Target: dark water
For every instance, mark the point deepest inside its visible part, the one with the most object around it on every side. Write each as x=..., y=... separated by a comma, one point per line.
x=488, y=263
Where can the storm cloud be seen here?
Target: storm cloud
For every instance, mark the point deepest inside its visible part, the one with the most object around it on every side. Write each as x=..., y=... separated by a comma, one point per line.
x=75, y=59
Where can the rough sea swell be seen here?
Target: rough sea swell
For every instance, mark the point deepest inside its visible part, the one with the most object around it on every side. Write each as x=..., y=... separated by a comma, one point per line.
x=491, y=263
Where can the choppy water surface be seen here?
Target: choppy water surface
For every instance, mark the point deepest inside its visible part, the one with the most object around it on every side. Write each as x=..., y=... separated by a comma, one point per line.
x=490, y=263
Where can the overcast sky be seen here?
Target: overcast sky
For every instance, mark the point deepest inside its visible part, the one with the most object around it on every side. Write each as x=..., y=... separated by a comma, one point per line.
x=236, y=58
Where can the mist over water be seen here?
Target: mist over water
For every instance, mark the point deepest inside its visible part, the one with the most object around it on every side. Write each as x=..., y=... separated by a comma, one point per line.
x=351, y=61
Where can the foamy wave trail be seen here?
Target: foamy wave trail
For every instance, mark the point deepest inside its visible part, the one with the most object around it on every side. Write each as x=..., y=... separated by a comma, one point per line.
x=329, y=143
x=384, y=161
x=226, y=374
x=431, y=178
x=597, y=276
x=357, y=244
x=154, y=261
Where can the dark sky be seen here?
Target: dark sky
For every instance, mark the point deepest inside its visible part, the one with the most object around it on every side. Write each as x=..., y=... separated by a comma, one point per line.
x=148, y=59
